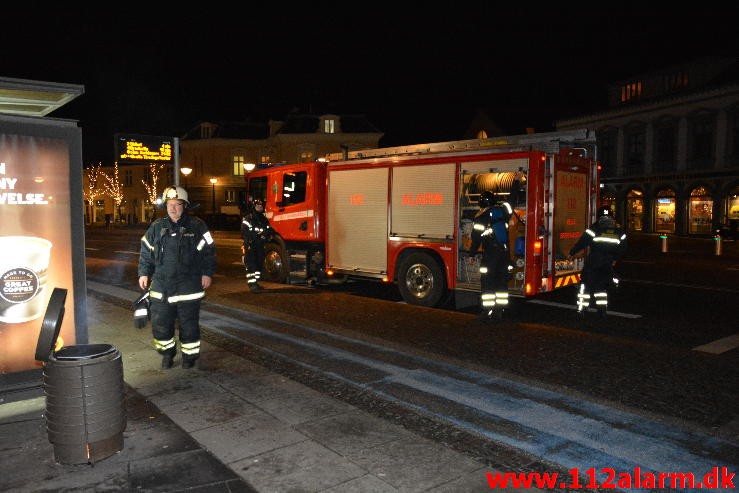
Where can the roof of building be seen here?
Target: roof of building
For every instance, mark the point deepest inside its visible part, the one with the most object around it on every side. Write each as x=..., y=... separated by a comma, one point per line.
x=294, y=123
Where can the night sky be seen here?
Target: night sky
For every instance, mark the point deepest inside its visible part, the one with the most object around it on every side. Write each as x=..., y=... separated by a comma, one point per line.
x=418, y=75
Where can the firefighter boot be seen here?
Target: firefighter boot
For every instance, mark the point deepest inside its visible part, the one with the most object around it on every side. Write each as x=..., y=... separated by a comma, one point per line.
x=254, y=287
x=188, y=361
x=167, y=360
x=602, y=312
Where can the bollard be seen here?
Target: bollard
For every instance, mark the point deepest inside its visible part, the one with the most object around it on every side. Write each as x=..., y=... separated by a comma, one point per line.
x=717, y=240
x=664, y=243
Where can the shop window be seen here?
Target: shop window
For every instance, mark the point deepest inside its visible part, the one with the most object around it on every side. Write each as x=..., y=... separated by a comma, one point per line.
x=733, y=205
x=609, y=199
x=664, y=213
x=635, y=211
x=700, y=213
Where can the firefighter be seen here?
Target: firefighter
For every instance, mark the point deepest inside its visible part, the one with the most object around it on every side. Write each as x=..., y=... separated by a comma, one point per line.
x=605, y=242
x=490, y=229
x=178, y=256
x=256, y=232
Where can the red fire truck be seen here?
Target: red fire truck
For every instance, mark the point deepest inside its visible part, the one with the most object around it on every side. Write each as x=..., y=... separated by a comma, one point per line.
x=404, y=214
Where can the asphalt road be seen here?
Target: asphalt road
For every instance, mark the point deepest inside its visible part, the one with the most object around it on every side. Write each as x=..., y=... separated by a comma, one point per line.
x=660, y=355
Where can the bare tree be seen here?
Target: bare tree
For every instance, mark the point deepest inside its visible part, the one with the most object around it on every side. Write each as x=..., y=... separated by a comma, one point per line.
x=150, y=184
x=94, y=178
x=151, y=187
x=114, y=188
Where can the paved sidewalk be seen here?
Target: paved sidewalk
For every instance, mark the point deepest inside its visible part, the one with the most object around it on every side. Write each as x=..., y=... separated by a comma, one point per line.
x=227, y=425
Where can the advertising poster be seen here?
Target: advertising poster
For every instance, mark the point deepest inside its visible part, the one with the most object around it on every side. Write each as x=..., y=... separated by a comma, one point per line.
x=36, y=240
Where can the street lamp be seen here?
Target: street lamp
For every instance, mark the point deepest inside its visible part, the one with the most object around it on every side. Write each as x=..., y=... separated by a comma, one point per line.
x=249, y=167
x=186, y=172
x=213, y=182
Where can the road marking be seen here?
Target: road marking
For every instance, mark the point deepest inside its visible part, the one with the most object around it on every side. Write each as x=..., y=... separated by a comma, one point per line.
x=719, y=346
x=126, y=251
x=574, y=307
x=93, y=249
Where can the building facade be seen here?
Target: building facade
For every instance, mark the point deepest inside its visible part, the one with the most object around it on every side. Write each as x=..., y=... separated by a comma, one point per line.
x=213, y=159
x=669, y=148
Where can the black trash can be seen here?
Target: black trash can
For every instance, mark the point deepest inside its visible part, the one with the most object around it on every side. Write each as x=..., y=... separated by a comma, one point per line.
x=84, y=389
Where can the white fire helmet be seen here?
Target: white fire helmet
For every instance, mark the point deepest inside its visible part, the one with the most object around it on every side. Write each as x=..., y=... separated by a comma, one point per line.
x=175, y=193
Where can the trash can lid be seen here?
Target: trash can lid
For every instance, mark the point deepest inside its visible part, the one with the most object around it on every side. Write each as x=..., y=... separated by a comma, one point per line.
x=84, y=352
x=51, y=324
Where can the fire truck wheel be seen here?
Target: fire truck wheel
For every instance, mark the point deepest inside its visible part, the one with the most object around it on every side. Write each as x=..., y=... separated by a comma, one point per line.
x=421, y=280
x=275, y=264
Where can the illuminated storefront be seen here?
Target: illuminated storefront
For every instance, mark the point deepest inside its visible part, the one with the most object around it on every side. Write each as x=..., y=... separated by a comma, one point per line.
x=732, y=206
x=664, y=212
x=635, y=211
x=700, y=212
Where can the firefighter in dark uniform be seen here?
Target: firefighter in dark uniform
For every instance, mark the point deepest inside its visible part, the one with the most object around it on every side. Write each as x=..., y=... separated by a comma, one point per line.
x=178, y=256
x=490, y=229
x=256, y=232
x=606, y=243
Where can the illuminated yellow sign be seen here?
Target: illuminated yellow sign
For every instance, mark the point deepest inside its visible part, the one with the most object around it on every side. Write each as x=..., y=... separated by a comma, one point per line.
x=143, y=148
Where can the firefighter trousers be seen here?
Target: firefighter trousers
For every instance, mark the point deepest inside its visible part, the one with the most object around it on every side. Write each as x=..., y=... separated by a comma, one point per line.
x=164, y=316
x=494, y=278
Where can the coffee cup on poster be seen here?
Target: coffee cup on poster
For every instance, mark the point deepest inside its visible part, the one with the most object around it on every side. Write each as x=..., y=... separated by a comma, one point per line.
x=23, y=271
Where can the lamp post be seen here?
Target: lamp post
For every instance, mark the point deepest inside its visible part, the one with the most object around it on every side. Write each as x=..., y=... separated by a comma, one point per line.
x=213, y=182
x=186, y=172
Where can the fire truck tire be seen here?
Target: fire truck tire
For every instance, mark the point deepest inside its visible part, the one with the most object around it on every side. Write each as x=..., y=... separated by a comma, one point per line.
x=276, y=264
x=421, y=280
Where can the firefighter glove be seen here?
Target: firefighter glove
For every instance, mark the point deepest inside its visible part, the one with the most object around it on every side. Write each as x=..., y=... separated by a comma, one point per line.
x=141, y=311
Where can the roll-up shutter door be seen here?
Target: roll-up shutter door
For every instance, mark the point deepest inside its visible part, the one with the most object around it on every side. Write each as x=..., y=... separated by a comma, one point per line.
x=357, y=220
x=423, y=201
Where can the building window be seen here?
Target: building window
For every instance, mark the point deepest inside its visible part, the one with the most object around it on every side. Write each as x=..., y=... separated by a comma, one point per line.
x=238, y=164
x=701, y=142
x=665, y=147
x=631, y=91
x=634, y=155
x=207, y=130
x=700, y=213
x=329, y=126
x=230, y=196
x=732, y=154
x=675, y=81
x=731, y=216
x=127, y=178
x=607, y=146
x=265, y=159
